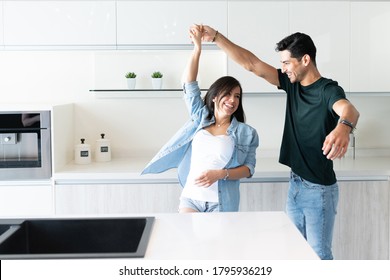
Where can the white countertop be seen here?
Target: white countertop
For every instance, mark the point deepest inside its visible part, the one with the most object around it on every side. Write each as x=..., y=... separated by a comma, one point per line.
x=224, y=236
x=221, y=236
x=267, y=170
x=11, y=107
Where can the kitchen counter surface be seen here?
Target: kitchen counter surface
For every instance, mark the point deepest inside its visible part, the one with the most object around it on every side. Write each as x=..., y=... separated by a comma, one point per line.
x=267, y=170
x=221, y=236
x=27, y=107
x=234, y=235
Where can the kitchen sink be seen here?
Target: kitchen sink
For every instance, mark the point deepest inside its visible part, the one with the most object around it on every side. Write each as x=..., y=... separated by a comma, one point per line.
x=75, y=238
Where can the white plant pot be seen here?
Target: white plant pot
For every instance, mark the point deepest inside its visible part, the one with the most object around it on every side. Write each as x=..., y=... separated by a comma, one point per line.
x=157, y=83
x=131, y=83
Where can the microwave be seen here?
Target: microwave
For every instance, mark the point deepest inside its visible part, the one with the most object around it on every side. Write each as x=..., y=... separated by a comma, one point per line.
x=25, y=145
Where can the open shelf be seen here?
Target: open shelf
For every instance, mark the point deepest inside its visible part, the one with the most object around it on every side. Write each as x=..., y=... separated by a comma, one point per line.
x=136, y=90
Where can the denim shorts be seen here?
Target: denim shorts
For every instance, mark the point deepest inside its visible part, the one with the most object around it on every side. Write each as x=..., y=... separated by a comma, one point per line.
x=197, y=205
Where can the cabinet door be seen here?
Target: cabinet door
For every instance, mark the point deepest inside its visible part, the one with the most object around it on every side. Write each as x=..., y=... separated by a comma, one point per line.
x=1, y=27
x=362, y=221
x=116, y=199
x=370, y=44
x=23, y=201
x=166, y=22
x=263, y=196
x=257, y=26
x=328, y=24
x=53, y=23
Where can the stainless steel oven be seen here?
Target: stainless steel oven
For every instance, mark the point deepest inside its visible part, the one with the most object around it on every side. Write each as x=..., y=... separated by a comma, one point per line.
x=25, y=145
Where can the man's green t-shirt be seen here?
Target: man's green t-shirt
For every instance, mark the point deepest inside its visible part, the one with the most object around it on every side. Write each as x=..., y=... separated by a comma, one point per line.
x=309, y=119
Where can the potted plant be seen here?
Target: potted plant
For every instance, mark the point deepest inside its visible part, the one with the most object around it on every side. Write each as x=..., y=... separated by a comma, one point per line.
x=157, y=79
x=130, y=76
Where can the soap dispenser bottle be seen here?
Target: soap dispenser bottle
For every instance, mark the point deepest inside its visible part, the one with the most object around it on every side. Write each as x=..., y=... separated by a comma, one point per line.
x=102, y=149
x=82, y=153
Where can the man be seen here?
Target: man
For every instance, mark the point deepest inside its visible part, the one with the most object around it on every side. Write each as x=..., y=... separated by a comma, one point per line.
x=318, y=122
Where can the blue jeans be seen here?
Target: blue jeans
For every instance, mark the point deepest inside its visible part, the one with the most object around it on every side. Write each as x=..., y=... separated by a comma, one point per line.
x=313, y=208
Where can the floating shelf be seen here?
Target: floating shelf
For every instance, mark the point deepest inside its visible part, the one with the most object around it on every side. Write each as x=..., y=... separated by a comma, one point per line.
x=136, y=90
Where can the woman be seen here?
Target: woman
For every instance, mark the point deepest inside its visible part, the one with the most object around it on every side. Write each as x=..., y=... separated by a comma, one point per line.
x=215, y=149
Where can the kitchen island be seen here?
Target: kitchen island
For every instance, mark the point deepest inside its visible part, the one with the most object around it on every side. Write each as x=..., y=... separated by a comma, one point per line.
x=173, y=236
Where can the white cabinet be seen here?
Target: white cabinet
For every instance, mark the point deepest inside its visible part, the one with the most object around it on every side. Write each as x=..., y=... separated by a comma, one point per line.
x=328, y=24
x=263, y=196
x=1, y=27
x=370, y=43
x=165, y=22
x=103, y=199
x=362, y=222
x=26, y=200
x=256, y=26
x=54, y=23
x=266, y=23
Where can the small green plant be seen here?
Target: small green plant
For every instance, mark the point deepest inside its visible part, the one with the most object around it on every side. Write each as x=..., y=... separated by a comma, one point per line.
x=130, y=75
x=157, y=74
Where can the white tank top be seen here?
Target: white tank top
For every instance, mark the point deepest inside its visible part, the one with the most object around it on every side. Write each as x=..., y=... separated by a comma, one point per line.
x=208, y=152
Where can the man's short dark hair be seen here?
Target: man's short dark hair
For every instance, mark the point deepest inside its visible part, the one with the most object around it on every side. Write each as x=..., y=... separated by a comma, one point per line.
x=298, y=44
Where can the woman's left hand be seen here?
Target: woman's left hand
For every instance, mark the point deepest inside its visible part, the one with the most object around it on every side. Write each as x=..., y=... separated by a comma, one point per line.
x=208, y=177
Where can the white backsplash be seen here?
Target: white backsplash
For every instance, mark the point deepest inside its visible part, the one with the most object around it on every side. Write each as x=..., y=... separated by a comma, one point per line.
x=111, y=67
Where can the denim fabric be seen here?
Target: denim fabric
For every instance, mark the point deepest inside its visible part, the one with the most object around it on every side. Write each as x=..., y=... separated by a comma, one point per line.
x=313, y=208
x=200, y=206
x=177, y=152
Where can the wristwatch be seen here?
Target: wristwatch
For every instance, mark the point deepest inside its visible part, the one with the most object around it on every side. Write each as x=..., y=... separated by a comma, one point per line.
x=348, y=123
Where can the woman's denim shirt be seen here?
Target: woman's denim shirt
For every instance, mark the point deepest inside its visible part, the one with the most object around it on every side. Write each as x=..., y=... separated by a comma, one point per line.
x=177, y=152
